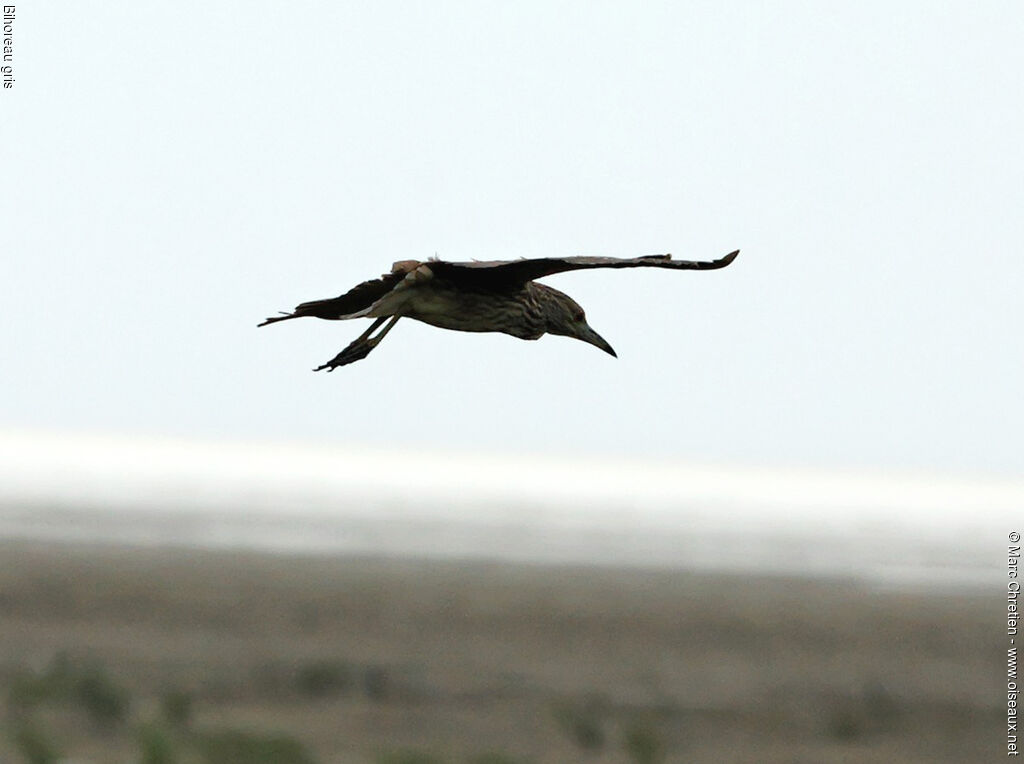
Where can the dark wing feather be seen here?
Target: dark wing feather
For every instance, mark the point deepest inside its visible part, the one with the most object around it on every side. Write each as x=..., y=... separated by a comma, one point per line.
x=354, y=300
x=510, y=273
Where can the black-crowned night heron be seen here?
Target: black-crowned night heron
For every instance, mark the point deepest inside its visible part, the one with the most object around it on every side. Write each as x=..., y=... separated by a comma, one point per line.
x=496, y=296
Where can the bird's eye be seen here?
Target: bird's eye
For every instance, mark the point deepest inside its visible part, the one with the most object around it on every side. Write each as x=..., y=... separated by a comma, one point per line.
x=578, y=316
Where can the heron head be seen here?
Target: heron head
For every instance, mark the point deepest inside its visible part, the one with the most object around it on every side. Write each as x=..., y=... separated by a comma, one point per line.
x=565, y=317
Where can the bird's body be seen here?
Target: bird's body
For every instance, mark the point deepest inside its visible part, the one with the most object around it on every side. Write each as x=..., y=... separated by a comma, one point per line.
x=499, y=296
x=516, y=313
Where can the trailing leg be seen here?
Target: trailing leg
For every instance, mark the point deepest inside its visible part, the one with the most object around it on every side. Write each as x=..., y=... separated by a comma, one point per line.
x=360, y=347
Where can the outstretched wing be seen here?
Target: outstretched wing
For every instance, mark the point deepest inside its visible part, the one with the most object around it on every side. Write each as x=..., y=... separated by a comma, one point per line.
x=509, y=273
x=354, y=300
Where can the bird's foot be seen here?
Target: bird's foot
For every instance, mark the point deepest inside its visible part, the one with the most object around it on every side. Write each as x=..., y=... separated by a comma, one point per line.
x=356, y=351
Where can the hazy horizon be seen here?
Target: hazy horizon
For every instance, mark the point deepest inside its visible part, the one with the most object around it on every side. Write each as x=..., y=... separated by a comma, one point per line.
x=880, y=526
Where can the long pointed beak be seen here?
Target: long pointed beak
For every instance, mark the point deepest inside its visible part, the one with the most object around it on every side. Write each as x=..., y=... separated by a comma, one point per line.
x=595, y=339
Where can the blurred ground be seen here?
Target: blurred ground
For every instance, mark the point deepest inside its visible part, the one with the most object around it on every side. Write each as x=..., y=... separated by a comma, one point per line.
x=117, y=654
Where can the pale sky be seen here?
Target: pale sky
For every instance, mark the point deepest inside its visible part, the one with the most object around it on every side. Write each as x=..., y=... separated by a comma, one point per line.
x=174, y=173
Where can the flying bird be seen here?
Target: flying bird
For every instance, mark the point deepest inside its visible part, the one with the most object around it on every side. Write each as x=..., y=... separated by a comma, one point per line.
x=479, y=296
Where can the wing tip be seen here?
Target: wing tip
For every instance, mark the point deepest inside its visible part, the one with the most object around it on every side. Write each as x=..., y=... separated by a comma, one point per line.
x=274, y=319
x=727, y=259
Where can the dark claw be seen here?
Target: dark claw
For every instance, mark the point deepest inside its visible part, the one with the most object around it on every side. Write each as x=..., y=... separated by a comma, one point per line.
x=354, y=352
